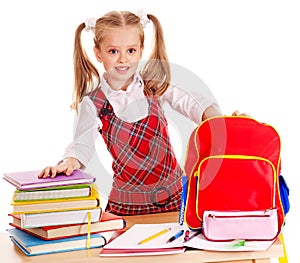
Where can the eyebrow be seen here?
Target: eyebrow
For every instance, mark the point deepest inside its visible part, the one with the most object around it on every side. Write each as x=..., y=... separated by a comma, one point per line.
x=115, y=46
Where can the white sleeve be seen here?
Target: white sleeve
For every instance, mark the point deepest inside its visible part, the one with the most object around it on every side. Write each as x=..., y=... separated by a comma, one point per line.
x=190, y=104
x=85, y=133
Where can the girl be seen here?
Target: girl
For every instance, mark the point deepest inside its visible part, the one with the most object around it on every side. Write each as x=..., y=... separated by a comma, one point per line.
x=128, y=102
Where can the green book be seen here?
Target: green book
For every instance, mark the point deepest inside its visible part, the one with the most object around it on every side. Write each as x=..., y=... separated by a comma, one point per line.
x=64, y=191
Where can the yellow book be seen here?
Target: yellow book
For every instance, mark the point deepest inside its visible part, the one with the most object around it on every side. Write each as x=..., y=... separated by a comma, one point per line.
x=62, y=204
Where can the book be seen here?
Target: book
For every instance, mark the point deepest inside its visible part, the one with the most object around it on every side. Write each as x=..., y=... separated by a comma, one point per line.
x=129, y=243
x=108, y=222
x=65, y=191
x=32, y=245
x=54, y=205
x=55, y=218
x=29, y=179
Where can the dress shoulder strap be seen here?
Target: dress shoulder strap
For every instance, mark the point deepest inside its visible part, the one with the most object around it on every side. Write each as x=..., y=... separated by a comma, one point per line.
x=98, y=98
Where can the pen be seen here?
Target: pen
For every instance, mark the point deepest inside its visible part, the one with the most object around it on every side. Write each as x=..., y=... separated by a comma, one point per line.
x=177, y=235
x=183, y=199
x=154, y=236
x=188, y=237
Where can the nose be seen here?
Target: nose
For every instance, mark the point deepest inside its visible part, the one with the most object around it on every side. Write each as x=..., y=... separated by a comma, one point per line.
x=123, y=57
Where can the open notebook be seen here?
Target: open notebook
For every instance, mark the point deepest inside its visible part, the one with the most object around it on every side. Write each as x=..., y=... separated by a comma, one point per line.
x=127, y=244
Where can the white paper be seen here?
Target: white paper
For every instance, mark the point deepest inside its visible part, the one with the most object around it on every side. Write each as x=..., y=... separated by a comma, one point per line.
x=200, y=242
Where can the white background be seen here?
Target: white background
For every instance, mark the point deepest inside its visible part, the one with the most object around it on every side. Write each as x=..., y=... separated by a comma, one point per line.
x=247, y=52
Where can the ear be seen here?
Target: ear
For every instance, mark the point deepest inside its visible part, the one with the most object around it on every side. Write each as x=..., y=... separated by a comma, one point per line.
x=141, y=53
x=97, y=54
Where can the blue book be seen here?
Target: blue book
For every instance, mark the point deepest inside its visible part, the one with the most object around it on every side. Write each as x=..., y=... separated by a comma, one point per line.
x=32, y=245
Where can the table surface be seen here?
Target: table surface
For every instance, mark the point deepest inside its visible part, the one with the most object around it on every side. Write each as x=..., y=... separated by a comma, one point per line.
x=11, y=254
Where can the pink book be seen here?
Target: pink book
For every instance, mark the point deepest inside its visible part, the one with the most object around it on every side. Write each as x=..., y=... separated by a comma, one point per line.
x=29, y=179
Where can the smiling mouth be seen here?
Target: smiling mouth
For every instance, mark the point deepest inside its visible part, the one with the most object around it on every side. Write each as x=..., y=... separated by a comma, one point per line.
x=122, y=68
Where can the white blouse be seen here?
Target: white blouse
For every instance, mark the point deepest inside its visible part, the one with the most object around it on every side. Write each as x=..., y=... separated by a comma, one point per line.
x=130, y=105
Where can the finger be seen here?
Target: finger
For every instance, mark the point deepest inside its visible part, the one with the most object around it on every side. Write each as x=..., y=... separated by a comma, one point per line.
x=41, y=174
x=236, y=113
x=69, y=171
x=44, y=173
x=52, y=172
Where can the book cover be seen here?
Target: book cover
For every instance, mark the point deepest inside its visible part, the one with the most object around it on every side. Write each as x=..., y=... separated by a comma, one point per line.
x=64, y=204
x=56, y=218
x=65, y=191
x=32, y=245
x=29, y=179
x=106, y=252
x=108, y=222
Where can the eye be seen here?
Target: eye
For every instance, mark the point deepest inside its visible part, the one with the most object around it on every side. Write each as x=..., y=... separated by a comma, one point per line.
x=131, y=50
x=113, y=51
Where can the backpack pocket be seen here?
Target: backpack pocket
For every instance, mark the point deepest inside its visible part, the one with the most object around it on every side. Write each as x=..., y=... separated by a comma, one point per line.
x=235, y=183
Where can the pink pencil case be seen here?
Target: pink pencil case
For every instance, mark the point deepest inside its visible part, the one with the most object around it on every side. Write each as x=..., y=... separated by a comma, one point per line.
x=247, y=225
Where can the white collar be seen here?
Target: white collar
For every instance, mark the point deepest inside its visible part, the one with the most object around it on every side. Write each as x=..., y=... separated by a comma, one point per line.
x=137, y=83
x=131, y=104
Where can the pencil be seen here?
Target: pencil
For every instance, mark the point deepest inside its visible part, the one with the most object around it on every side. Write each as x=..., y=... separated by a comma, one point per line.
x=154, y=236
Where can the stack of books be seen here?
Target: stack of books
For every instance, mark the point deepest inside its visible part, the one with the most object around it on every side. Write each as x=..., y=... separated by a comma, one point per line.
x=58, y=214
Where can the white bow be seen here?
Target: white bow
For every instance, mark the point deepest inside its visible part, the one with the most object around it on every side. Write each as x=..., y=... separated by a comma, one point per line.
x=143, y=17
x=90, y=24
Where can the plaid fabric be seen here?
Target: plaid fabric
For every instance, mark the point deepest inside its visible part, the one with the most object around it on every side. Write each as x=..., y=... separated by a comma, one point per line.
x=147, y=176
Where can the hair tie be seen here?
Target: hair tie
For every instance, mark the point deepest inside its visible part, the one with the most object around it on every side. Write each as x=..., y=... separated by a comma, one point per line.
x=90, y=24
x=143, y=17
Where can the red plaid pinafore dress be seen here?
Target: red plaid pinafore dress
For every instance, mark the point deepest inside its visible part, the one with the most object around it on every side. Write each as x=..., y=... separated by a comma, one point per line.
x=147, y=176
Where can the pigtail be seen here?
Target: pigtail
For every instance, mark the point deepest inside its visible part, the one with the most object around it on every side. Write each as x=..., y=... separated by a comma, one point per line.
x=156, y=72
x=84, y=70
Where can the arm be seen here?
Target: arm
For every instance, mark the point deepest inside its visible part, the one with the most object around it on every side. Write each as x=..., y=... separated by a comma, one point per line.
x=194, y=106
x=210, y=112
x=81, y=150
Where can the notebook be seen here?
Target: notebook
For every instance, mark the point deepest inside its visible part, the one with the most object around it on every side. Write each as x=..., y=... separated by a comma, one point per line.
x=29, y=179
x=127, y=244
x=200, y=242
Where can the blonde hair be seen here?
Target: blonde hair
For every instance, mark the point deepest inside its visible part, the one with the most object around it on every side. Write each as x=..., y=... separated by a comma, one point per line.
x=155, y=73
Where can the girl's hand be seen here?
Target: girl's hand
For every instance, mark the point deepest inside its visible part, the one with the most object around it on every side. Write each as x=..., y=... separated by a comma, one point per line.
x=67, y=166
x=237, y=113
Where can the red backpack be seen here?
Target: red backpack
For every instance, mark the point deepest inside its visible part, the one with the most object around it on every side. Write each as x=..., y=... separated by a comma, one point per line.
x=232, y=164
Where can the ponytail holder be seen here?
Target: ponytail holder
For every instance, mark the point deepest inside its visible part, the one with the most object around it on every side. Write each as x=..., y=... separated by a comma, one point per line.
x=90, y=24
x=143, y=17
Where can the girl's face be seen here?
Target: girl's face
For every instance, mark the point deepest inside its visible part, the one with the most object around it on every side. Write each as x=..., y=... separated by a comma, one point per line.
x=120, y=51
